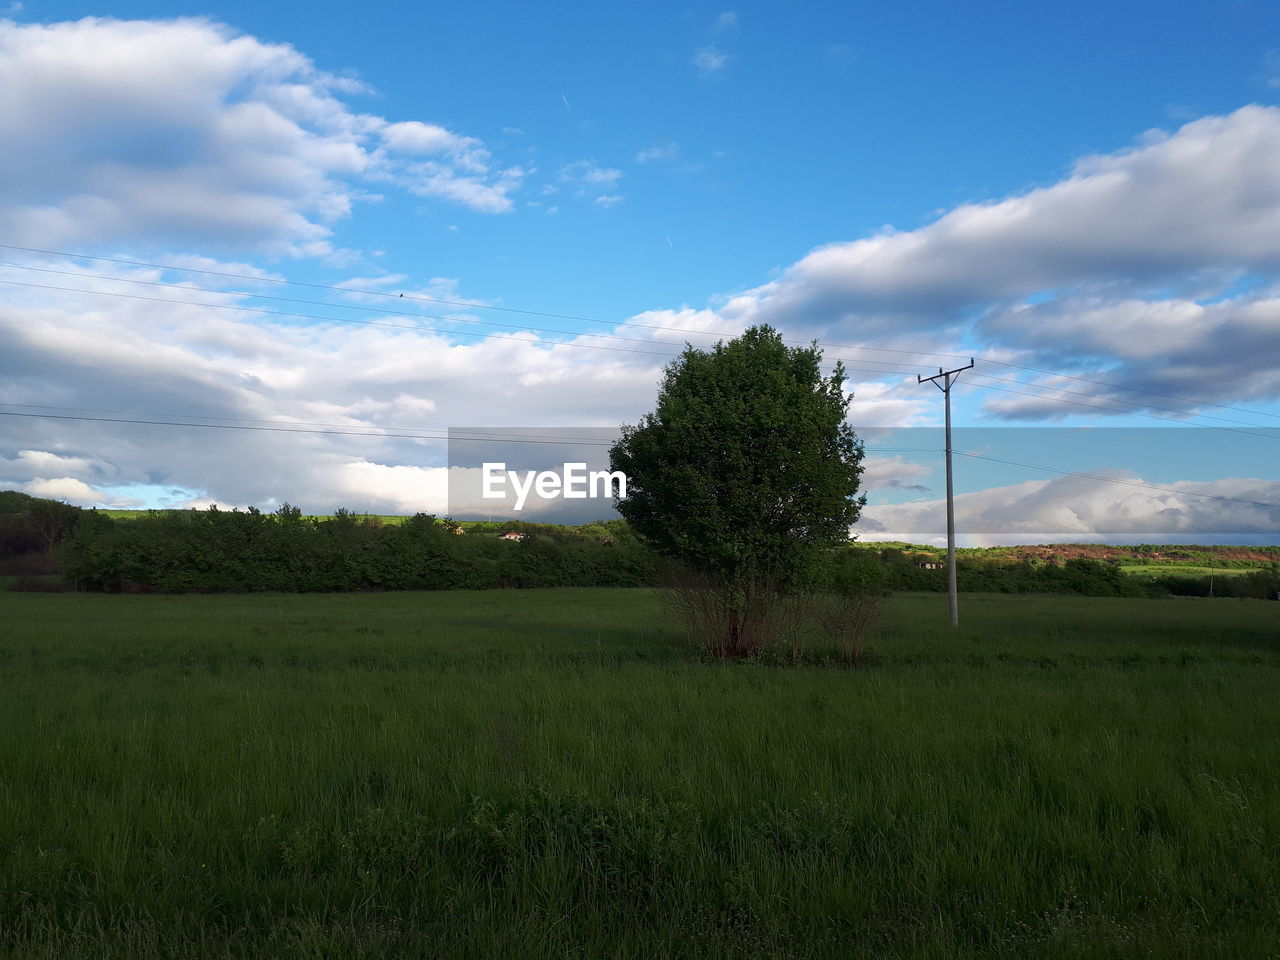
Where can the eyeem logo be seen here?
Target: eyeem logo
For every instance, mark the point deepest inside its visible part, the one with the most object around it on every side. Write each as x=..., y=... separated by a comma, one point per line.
x=572, y=483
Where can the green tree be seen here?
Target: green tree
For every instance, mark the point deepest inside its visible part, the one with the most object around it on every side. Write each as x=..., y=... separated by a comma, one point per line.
x=745, y=473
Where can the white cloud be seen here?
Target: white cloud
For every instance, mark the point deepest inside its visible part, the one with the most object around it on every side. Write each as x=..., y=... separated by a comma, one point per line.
x=36, y=462
x=195, y=363
x=710, y=60
x=583, y=172
x=1156, y=266
x=893, y=473
x=1174, y=347
x=185, y=131
x=413, y=136
x=586, y=178
x=1128, y=250
x=78, y=492
x=366, y=283
x=665, y=153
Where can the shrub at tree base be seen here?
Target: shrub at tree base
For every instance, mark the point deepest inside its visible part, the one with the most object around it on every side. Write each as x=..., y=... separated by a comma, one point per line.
x=851, y=602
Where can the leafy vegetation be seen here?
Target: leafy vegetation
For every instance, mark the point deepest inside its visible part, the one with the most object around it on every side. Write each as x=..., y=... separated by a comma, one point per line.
x=244, y=551
x=208, y=551
x=746, y=476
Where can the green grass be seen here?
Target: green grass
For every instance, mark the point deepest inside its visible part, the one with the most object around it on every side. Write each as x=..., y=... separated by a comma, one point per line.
x=1184, y=570
x=554, y=774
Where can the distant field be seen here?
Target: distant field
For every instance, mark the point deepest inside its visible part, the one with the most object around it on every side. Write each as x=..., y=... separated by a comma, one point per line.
x=552, y=774
x=1181, y=570
x=384, y=517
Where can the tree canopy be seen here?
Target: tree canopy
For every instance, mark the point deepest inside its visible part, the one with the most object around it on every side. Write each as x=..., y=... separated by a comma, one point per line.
x=747, y=467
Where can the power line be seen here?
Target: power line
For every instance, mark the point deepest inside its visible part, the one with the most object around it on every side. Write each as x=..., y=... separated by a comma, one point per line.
x=341, y=429
x=382, y=323
x=583, y=319
x=298, y=315
x=311, y=316
x=498, y=439
x=314, y=303
x=379, y=310
x=286, y=427
x=424, y=299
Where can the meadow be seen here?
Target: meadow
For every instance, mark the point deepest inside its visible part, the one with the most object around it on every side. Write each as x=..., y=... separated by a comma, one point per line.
x=556, y=774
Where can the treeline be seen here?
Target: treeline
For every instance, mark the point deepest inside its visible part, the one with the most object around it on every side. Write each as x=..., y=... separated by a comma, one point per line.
x=219, y=551
x=1079, y=575
x=245, y=551
x=31, y=528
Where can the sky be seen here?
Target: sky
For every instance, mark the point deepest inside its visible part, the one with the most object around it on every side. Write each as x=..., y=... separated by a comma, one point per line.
x=209, y=216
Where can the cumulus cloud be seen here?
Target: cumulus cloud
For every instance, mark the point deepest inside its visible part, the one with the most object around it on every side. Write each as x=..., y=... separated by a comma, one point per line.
x=197, y=364
x=1092, y=273
x=1173, y=347
x=893, y=473
x=78, y=492
x=183, y=130
x=1170, y=210
x=1157, y=266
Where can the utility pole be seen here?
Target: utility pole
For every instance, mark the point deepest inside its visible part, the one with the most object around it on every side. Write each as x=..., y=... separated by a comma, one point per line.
x=948, y=377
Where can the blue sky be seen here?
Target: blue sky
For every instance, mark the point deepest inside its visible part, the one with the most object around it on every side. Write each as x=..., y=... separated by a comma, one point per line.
x=1089, y=190
x=824, y=124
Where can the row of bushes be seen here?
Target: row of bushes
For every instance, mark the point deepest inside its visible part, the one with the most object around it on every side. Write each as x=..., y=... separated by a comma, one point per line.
x=30, y=529
x=1079, y=576
x=214, y=551
x=220, y=551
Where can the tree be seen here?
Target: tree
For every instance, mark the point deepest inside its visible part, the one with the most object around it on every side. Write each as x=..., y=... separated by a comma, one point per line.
x=745, y=473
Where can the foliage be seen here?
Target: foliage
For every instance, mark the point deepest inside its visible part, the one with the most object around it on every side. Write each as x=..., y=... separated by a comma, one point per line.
x=745, y=473
x=30, y=529
x=215, y=550
x=850, y=602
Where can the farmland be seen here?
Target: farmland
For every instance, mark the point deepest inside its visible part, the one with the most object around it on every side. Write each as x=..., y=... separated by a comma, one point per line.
x=556, y=774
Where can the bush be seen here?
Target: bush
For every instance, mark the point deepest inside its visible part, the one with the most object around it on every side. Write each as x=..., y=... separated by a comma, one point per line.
x=218, y=551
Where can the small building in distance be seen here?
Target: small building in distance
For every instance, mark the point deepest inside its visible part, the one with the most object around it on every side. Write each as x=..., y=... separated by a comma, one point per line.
x=511, y=535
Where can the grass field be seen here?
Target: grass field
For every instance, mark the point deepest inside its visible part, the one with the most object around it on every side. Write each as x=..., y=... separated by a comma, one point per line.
x=1184, y=570
x=553, y=774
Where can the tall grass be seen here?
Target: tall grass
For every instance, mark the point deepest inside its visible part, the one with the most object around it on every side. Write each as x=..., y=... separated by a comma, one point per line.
x=555, y=774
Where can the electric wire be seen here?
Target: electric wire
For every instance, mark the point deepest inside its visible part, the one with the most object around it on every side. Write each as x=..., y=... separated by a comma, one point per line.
x=583, y=319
